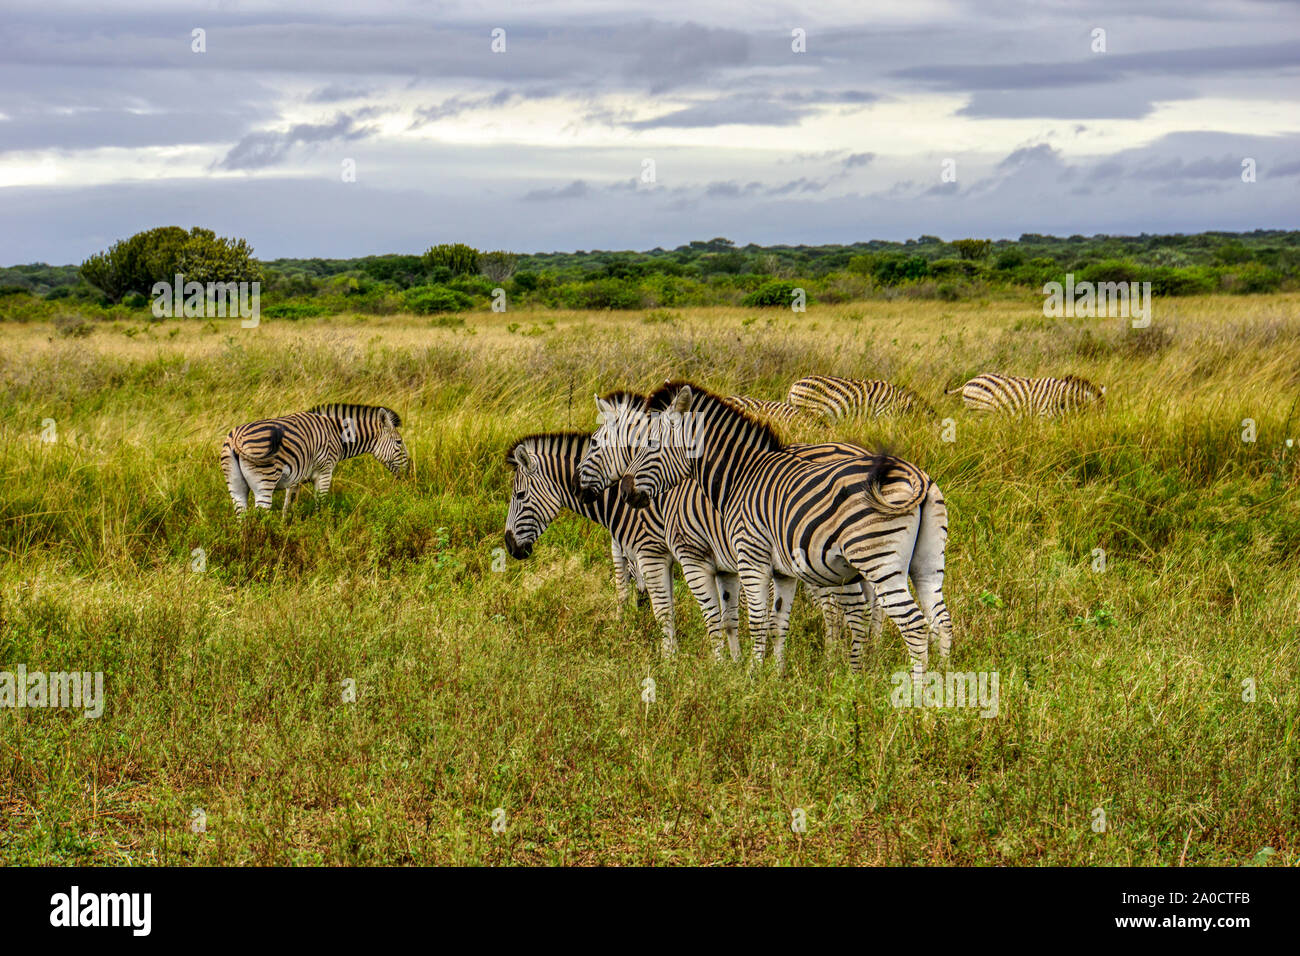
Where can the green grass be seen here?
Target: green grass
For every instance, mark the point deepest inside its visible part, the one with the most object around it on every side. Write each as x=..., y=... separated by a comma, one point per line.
x=521, y=688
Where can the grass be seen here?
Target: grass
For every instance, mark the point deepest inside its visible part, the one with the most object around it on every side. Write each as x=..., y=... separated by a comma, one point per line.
x=483, y=684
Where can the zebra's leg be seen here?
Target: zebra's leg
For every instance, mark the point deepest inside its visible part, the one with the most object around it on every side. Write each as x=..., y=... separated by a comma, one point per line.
x=622, y=577
x=261, y=481
x=729, y=598
x=322, y=482
x=927, y=569
x=782, y=601
x=756, y=582
x=889, y=581
x=289, y=494
x=235, y=482
x=657, y=570
x=825, y=599
x=700, y=577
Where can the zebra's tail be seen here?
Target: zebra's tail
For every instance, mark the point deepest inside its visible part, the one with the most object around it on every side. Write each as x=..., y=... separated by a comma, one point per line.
x=882, y=466
x=954, y=391
x=260, y=447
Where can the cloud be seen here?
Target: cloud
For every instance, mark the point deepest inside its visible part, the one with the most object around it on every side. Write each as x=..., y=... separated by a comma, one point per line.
x=578, y=189
x=267, y=148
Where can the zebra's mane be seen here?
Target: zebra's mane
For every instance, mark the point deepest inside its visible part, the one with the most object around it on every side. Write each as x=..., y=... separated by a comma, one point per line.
x=623, y=396
x=331, y=409
x=547, y=438
x=661, y=399
x=1079, y=380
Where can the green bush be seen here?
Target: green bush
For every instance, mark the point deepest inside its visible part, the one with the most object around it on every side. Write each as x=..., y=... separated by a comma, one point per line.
x=778, y=292
x=428, y=299
x=1109, y=270
x=603, y=294
x=1251, y=277
x=295, y=310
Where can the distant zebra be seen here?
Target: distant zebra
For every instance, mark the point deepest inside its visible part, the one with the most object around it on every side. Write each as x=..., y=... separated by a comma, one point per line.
x=791, y=520
x=284, y=452
x=778, y=412
x=836, y=397
x=1045, y=397
x=686, y=511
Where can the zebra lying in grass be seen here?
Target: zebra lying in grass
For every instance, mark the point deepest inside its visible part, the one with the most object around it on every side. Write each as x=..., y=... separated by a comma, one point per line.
x=823, y=524
x=1045, y=397
x=835, y=397
x=686, y=511
x=273, y=453
x=779, y=413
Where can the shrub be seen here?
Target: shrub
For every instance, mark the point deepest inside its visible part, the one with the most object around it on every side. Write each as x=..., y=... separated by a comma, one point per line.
x=294, y=310
x=778, y=292
x=895, y=268
x=428, y=299
x=1109, y=270
x=1251, y=277
x=457, y=257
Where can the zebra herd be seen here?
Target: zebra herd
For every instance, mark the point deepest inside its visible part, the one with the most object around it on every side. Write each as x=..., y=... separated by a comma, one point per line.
x=828, y=397
x=688, y=476
x=702, y=480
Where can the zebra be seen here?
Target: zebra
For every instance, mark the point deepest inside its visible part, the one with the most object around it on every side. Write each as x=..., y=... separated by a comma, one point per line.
x=779, y=413
x=791, y=520
x=835, y=397
x=643, y=546
x=1045, y=397
x=624, y=428
x=284, y=452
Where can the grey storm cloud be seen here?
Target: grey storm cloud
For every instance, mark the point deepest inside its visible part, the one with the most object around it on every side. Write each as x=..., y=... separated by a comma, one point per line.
x=728, y=112
x=857, y=160
x=578, y=189
x=266, y=148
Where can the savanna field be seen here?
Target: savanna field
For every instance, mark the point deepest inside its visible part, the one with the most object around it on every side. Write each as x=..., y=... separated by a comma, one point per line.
x=1160, y=688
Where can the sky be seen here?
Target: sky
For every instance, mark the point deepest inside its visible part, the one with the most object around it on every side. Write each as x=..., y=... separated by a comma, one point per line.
x=320, y=129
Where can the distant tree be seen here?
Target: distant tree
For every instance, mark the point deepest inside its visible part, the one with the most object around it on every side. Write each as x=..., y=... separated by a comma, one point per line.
x=973, y=248
x=498, y=266
x=457, y=257
x=158, y=255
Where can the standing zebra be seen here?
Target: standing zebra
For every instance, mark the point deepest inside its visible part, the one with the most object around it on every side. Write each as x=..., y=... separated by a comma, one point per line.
x=625, y=428
x=284, y=452
x=1046, y=397
x=846, y=397
x=780, y=413
x=546, y=481
x=790, y=520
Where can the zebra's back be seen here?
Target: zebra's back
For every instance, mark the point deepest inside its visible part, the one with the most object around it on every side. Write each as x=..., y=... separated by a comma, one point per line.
x=1017, y=395
x=836, y=397
x=780, y=413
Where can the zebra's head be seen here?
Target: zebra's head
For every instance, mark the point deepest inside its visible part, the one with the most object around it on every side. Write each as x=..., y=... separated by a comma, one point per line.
x=534, y=501
x=669, y=445
x=612, y=445
x=1086, y=392
x=389, y=447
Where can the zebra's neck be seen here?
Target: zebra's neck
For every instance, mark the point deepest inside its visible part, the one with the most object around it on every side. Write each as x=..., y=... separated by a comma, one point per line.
x=729, y=442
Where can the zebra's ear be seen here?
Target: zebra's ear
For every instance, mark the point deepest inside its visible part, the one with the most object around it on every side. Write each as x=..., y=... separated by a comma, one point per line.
x=525, y=461
x=682, y=400
x=1103, y=390
x=604, y=407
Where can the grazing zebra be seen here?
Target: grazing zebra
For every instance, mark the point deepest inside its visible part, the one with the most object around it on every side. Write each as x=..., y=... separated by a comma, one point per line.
x=823, y=524
x=1046, y=397
x=846, y=397
x=306, y=446
x=643, y=546
x=777, y=412
x=686, y=511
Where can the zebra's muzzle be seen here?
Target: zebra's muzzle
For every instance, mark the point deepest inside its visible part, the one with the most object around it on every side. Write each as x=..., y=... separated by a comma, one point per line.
x=517, y=550
x=627, y=491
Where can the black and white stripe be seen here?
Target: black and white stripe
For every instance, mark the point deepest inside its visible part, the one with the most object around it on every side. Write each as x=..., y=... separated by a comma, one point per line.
x=836, y=398
x=792, y=520
x=284, y=452
x=1045, y=397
